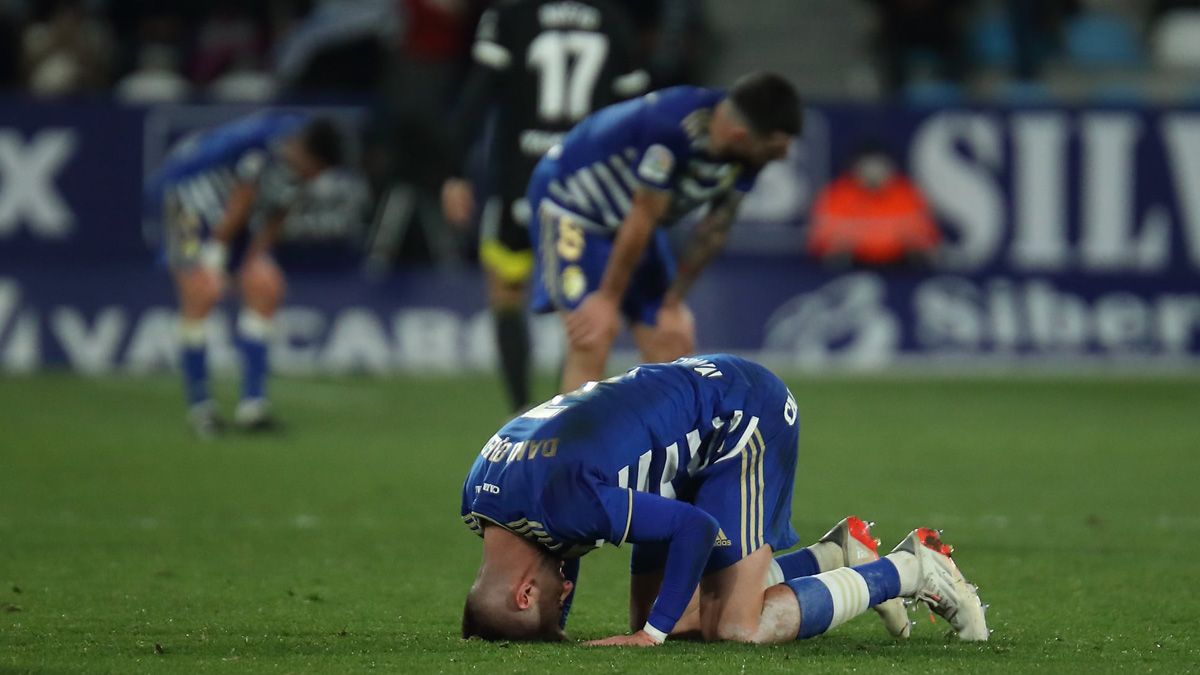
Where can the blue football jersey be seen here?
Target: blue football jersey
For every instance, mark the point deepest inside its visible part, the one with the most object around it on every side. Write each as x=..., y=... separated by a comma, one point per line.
x=658, y=141
x=657, y=429
x=202, y=169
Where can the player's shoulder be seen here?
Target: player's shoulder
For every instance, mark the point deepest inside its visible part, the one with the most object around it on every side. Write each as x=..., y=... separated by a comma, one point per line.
x=684, y=99
x=727, y=368
x=674, y=108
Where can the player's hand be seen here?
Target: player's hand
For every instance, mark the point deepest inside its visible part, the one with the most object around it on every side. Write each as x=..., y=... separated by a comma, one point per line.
x=638, y=639
x=458, y=202
x=594, y=323
x=214, y=255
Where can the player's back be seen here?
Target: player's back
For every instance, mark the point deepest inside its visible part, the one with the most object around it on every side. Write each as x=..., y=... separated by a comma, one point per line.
x=658, y=141
x=560, y=60
x=201, y=170
x=221, y=148
x=619, y=427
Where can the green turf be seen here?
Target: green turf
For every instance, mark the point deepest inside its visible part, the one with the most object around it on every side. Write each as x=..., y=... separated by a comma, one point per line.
x=125, y=546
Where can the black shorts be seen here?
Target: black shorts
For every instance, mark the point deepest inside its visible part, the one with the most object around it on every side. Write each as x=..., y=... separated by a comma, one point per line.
x=504, y=247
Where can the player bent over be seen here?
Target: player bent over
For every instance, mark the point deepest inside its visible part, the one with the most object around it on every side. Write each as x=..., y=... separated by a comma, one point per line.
x=599, y=199
x=544, y=64
x=693, y=464
x=244, y=175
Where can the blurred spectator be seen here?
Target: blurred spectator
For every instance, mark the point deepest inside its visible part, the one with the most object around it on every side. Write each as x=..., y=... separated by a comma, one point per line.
x=1037, y=31
x=156, y=79
x=674, y=37
x=244, y=82
x=228, y=34
x=10, y=56
x=872, y=215
x=920, y=39
x=66, y=53
x=1161, y=7
x=1175, y=37
x=341, y=45
x=428, y=69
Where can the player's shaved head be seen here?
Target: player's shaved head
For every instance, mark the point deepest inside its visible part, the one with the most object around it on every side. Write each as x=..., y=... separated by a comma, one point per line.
x=518, y=593
x=491, y=614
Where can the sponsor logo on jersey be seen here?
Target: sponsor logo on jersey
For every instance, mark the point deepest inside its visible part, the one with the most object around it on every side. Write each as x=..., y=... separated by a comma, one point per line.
x=657, y=164
x=721, y=539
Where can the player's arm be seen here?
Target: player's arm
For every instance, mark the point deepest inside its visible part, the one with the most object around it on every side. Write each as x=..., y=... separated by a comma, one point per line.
x=271, y=230
x=707, y=240
x=491, y=59
x=458, y=195
x=237, y=213
x=648, y=209
x=688, y=534
x=596, y=322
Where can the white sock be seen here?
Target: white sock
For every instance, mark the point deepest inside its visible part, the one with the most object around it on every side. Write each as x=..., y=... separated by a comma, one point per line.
x=908, y=569
x=829, y=555
x=193, y=332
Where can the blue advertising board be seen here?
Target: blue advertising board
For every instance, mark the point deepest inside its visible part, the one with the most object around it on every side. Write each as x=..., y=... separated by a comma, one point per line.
x=1072, y=238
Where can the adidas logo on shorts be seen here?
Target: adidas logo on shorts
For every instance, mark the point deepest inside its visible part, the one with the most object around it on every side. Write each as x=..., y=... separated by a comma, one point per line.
x=722, y=540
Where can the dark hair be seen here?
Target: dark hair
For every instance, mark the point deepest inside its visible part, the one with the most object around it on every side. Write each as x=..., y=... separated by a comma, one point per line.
x=768, y=102
x=323, y=141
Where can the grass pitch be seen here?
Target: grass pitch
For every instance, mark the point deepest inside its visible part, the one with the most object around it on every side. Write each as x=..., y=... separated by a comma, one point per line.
x=126, y=546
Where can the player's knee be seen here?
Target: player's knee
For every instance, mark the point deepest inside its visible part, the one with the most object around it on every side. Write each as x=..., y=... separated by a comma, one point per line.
x=199, y=292
x=262, y=283
x=669, y=345
x=728, y=631
x=592, y=348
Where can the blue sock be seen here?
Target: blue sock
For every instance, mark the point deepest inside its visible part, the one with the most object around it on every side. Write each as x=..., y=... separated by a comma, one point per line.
x=801, y=563
x=253, y=330
x=194, y=363
x=254, y=367
x=829, y=599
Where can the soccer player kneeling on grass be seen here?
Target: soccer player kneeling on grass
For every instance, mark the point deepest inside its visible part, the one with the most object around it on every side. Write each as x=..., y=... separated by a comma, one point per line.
x=693, y=464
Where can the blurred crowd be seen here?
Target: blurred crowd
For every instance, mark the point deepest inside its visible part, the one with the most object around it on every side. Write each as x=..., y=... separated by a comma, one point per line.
x=253, y=50
x=1029, y=51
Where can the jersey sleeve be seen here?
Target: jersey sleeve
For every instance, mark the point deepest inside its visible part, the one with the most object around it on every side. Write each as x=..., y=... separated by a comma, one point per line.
x=278, y=189
x=492, y=47
x=663, y=150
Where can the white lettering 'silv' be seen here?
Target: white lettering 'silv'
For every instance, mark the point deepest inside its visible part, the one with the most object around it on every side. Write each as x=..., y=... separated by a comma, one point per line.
x=961, y=161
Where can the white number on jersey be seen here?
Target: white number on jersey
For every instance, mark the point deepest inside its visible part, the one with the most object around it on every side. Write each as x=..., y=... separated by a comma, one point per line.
x=547, y=410
x=790, y=409
x=568, y=64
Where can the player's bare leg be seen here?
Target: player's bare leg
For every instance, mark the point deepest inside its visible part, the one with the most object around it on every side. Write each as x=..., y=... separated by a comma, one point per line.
x=507, y=299
x=582, y=365
x=198, y=289
x=263, y=288
x=673, y=335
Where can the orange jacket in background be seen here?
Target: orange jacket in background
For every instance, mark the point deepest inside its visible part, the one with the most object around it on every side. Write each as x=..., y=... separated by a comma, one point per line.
x=877, y=227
